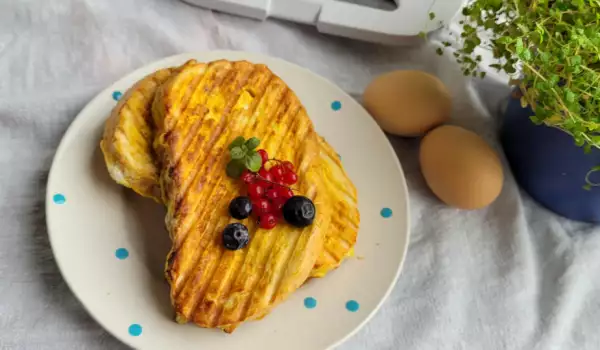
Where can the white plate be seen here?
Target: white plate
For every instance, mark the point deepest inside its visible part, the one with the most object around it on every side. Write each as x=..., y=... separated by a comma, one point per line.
x=92, y=221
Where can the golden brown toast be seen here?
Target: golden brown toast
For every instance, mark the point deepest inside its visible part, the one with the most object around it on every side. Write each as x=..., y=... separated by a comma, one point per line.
x=343, y=229
x=198, y=113
x=340, y=236
x=131, y=162
x=128, y=135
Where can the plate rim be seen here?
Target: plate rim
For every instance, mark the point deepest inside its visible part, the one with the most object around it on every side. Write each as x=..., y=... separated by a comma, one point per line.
x=251, y=57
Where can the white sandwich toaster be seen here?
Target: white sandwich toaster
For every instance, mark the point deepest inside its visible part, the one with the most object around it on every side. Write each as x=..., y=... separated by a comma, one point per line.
x=394, y=22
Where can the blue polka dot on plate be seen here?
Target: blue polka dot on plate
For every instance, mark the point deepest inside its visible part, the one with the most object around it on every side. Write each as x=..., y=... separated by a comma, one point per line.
x=59, y=198
x=310, y=303
x=135, y=330
x=122, y=253
x=352, y=306
x=386, y=212
x=336, y=105
x=116, y=95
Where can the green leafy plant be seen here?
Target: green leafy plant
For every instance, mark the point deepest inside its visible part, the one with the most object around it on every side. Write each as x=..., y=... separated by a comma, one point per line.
x=243, y=156
x=553, y=46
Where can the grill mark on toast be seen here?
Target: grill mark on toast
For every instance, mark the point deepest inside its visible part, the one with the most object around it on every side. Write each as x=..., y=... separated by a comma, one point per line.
x=284, y=272
x=237, y=269
x=185, y=94
x=135, y=116
x=277, y=275
x=274, y=109
x=205, y=272
x=288, y=130
x=201, y=225
x=274, y=141
x=205, y=174
x=209, y=168
x=200, y=195
x=287, y=133
x=201, y=150
x=190, y=133
x=270, y=239
x=185, y=291
x=248, y=281
x=168, y=185
x=213, y=185
x=229, y=267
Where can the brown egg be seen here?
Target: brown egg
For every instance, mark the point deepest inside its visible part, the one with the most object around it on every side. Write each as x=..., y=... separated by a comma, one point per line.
x=407, y=102
x=460, y=167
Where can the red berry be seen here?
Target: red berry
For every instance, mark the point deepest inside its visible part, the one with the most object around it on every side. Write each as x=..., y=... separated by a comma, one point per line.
x=278, y=208
x=288, y=165
x=267, y=221
x=278, y=171
x=261, y=206
x=273, y=194
x=256, y=190
x=248, y=176
x=263, y=155
x=290, y=178
x=267, y=179
x=265, y=174
x=285, y=193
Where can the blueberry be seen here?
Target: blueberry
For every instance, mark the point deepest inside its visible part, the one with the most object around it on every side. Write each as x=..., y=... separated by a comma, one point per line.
x=299, y=211
x=235, y=236
x=240, y=207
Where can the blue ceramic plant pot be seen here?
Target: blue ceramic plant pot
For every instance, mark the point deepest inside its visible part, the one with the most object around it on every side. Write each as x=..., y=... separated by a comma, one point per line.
x=549, y=166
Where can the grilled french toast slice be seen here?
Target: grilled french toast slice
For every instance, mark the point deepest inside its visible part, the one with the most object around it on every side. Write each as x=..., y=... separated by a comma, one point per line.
x=198, y=113
x=128, y=135
x=341, y=232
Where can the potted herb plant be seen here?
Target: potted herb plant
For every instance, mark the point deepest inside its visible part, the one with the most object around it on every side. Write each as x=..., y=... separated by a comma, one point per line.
x=550, y=131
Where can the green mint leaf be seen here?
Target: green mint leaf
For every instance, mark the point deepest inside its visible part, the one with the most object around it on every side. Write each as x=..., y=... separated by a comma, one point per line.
x=237, y=142
x=253, y=161
x=235, y=169
x=237, y=153
x=431, y=15
x=252, y=143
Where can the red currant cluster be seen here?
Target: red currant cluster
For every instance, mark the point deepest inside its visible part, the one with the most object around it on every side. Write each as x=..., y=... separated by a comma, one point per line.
x=269, y=189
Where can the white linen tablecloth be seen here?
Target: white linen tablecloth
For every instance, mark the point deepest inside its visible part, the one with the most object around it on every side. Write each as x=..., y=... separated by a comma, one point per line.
x=511, y=276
